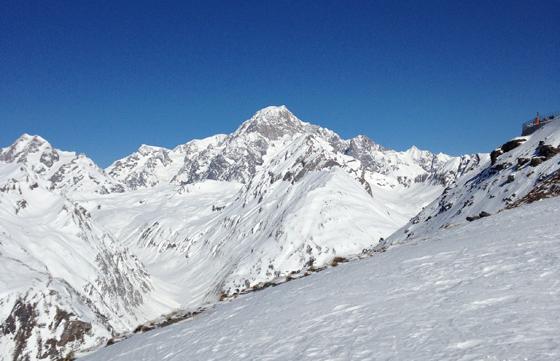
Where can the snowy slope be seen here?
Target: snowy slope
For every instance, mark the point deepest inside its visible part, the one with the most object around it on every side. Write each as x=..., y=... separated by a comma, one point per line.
x=64, y=282
x=484, y=291
x=519, y=167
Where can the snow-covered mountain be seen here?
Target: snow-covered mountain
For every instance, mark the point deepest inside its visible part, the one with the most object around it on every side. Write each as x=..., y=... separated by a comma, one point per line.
x=98, y=252
x=472, y=276
x=271, y=199
x=522, y=170
x=237, y=157
x=65, y=171
x=65, y=283
x=151, y=166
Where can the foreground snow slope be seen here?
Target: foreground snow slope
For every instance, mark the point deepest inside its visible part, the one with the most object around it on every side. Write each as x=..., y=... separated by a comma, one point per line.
x=487, y=290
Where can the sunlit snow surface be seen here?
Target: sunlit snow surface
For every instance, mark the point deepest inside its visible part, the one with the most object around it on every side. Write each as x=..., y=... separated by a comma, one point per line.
x=488, y=290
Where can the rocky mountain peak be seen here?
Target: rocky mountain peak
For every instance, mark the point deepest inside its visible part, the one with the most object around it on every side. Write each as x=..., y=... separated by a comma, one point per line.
x=23, y=146
x=62, y=170
x=272, y=122
x=31, y=149
x=363, y=142
x=30, y=139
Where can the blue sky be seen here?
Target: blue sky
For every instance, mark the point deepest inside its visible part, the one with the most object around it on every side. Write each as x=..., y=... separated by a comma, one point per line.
x=103, y=77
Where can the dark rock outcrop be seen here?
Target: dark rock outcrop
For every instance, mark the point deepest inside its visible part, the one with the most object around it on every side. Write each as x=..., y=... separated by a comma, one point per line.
x=506, y=147
x=535, y=161
x=20, y=325
x=546, y=151
x=480, y=215
x=547, y=187
x=494, y=155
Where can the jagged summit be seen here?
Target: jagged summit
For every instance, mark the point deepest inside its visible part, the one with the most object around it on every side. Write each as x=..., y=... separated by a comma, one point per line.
x=29, y=148
x=272, y=122
x=211, y=141
x=28, y=138
x=416, y=152
x=62, y=170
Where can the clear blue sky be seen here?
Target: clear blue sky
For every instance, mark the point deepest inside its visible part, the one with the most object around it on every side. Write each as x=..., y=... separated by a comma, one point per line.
x=102, y=77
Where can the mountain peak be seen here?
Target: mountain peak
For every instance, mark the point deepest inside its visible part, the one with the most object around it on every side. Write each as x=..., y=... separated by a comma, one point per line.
x=274, y=114
x=416, y=152
x=23, y=146
x=26, y=139
x=272, y=122
x=273, y=110
x=148, y=149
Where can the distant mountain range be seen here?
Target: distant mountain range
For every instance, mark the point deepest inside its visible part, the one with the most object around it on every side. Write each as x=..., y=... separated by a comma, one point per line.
x=89, y=254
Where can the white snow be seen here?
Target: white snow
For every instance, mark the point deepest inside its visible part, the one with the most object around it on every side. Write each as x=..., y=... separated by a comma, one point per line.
x=484, y=291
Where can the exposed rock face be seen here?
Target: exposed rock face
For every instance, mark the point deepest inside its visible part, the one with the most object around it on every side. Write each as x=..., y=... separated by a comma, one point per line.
x=522, y=161
x=546, y=151
x=26, y=145
x=512, y=144
x=494, y=155
x=239, y=155
x=536, y=161
x=20, y=324
x=363, y=148
x=140, y=168
x=545, y=188
x=273, y=123
x=448, y=173
x=33, y=324
x=506, y=147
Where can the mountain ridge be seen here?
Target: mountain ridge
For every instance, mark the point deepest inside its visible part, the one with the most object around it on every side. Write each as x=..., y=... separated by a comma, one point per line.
x=151, y=165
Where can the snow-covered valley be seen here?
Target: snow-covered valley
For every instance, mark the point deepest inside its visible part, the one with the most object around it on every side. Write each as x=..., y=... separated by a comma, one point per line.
x=482, y=291
x=89, y=255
